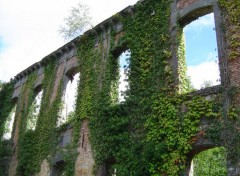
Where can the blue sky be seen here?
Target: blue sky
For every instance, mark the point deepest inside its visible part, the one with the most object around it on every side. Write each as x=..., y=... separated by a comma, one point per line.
x=1, y=43
x=201, y=51
x=200, y=37
x=123, y=58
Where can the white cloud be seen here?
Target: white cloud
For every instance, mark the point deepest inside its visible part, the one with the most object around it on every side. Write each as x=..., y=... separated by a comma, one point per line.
x=206, y=71
x=29, y=29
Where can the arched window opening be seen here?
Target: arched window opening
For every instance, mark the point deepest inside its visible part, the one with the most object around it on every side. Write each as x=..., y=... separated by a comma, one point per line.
x=201, y=53
x=8, y=127
x=112, y=172
x=123, y=85
x=34, y=112
x=110, y=169
x=69, y=101
x=58, y=168
x=210, y=162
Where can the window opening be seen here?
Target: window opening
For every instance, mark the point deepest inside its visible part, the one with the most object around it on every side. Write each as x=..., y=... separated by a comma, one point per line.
x=110, y=169
x=123, y=86
x=8, y=127
x=34, y=112
x=68, y=101
x=210, y=162
x=114, y=172
x=58, y=169
x=202, y=52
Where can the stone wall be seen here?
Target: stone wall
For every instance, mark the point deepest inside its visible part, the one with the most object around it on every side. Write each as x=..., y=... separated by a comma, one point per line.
x=184, y=3
x=45, y=169
x=67, y=66
x=85, y=162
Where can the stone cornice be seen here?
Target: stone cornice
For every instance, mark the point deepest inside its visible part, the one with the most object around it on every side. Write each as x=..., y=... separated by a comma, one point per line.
x=98, y=29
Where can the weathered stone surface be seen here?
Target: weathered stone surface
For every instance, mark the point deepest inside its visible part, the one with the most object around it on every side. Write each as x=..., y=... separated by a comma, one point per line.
x=66, y=138
x=84, y=163
x=45, y=169
x=72, y=66
x=39, y=81
x=16, y=93
x=59, y=75
x=184, y=3
x=13, y=166
x=183, y=10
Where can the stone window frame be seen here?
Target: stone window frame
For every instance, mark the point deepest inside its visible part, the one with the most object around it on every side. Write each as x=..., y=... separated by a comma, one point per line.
x=184, y=17
x=192, y=12
x=68, y=76
x=117, y=52
x=58, y=167
x=36, y=90
x=38, y=87
x=13, y=110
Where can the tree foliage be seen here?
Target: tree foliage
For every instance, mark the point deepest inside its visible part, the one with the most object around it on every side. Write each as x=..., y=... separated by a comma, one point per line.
x=210, y=162
x=76, y=23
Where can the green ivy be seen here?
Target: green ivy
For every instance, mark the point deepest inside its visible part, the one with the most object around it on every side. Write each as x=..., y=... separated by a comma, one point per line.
x=171, y=128
x=184, y=80
x=26, y=148
x=152, y=132
x=225, y=132
x=231, y=19
x=147, y=134
x=6, y=106
x=39, y=144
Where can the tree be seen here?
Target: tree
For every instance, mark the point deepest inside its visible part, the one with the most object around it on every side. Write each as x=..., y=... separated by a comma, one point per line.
x=76, y=23
x=211, y=162
x=206, y=83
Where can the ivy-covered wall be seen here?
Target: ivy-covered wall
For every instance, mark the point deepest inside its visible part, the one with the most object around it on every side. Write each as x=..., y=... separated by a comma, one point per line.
x=6, y=106
x=155, y=131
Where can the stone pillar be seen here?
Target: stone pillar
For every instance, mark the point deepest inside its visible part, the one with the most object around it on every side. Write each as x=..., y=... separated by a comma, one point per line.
x=84, y=163
x=45, y=169
x=102, y=170
x=233, y=169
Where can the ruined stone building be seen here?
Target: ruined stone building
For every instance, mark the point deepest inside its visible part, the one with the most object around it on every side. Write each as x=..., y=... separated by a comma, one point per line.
x=160, y=124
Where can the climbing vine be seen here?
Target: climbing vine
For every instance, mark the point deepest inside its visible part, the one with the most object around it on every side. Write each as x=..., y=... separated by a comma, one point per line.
x=171, y=127
x=6, y=106
x=231, y=21
x=225, y=132
x=184, y=80
x=152, y=131
x=39, y=144
x=149, y=126
x=117, y=132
